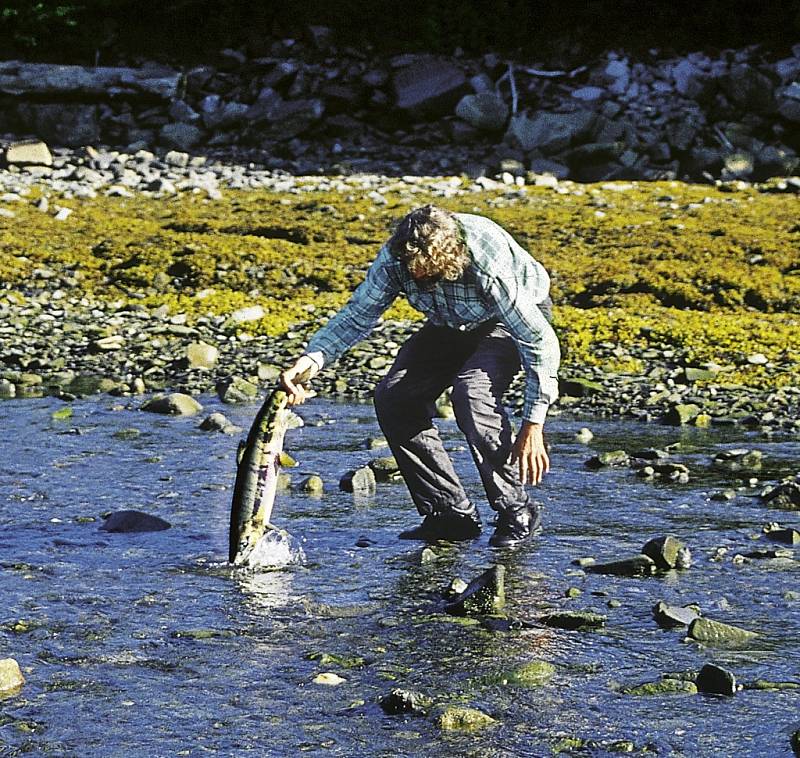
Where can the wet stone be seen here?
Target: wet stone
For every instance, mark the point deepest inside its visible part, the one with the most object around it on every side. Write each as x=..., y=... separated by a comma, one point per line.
x=385, y=469
x=462, y=719
x=175, y=404
x=312, y=485
x=715, y=680
x=237, y=390
x=670, y=616
x=531, y=674
x=738, y=460
x=11, y=678
x=717, y=633
x=787, y=536
x=358, y=481
x=637, y=565
x=133, y=521
x=664, y=551
x=664, y=686
x=483, y=595
x=400, y=700
x=785, y=495
x=613, y=458
x=765, y=685
x=681, y=414
x=218, y=422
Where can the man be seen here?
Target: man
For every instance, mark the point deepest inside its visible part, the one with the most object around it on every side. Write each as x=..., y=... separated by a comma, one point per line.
x=488, y=308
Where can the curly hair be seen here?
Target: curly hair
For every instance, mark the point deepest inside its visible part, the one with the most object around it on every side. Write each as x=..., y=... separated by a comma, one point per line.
x=431, y=243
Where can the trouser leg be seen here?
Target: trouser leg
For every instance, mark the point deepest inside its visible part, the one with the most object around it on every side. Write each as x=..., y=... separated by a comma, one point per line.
x=478, y=390
x=405, y=406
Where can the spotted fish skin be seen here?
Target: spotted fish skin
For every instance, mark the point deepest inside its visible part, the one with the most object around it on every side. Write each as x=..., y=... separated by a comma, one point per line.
x=257, y=477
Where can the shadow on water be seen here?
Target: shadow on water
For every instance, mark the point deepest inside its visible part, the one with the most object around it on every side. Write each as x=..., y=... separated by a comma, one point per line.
x=149, y=644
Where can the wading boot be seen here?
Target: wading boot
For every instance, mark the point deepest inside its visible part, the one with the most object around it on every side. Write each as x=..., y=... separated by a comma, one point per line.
x=453, y=526
x=515, y=525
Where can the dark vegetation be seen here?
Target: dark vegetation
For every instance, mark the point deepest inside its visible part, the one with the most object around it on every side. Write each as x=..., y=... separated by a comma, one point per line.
x=112, y=31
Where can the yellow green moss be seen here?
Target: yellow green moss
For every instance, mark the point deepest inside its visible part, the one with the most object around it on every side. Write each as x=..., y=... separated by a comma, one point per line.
x=666, y=265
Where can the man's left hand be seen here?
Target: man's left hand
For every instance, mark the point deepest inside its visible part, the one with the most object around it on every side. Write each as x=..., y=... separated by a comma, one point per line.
x=530, y=453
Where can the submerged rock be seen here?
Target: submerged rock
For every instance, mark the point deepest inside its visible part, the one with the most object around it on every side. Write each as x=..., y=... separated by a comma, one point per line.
x=715, y=680
x=462, y=719
x=401, y=700
x=716, y=633
x=133, y=521
x=11, y=679
x=637, y=565
x=312, y=485
x=664, y=686
x=483, y=595
x=574, y=620
x=531, y=674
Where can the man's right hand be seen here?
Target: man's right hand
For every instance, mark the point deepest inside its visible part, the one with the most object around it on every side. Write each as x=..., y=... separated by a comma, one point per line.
x=297, y=376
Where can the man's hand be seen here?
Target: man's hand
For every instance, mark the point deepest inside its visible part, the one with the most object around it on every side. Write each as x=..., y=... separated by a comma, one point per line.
x=530, y=453
x=295, y=378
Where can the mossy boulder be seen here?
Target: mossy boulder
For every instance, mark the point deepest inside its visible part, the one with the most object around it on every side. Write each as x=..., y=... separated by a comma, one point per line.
x=532, y=674
x=715, y=633
x=457, y=718
x=664, y=686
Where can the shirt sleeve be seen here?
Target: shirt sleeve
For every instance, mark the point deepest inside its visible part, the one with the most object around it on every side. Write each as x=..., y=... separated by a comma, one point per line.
x=515, y=286
x=361, y=313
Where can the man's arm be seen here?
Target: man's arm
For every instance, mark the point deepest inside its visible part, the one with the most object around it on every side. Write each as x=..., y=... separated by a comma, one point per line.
x=353, y=322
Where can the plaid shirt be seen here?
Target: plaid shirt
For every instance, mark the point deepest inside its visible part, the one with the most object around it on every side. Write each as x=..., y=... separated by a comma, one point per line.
x=503, y=282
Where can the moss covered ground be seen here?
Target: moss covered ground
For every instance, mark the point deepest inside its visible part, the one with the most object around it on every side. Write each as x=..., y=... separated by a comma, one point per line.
x=711, y=274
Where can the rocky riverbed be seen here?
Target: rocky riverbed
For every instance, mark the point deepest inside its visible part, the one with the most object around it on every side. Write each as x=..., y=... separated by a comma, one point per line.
x=130, y=273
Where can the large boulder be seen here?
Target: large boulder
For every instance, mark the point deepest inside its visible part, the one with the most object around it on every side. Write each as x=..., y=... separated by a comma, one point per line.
x=429, y=87
x=175, y=404
x=71, y=125
x=551, y=132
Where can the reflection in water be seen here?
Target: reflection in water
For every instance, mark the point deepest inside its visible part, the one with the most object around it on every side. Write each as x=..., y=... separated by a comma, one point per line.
x=265, y=590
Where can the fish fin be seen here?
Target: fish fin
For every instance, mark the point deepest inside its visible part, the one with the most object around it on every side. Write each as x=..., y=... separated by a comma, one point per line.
x=240, y=451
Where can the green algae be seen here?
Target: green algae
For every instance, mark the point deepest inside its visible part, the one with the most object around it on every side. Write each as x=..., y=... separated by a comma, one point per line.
x=639, y=265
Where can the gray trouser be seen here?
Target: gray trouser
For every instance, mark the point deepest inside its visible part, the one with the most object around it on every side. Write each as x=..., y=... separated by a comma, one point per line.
x=479, y=365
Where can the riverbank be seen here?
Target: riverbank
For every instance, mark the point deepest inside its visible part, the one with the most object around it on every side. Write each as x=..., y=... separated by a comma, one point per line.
x=133, y=273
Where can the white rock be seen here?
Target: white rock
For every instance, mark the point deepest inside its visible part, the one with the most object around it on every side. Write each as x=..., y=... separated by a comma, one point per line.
x=11, y=678
x=250, y=313
x=328, y=678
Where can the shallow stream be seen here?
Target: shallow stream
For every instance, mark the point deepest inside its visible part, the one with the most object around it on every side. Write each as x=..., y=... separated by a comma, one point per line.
x=149, y=645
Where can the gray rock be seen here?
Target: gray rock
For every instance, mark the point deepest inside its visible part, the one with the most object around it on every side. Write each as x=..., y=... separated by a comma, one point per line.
x=133, y=521
x=11, y=678
x=664, y=551
x=236, y=389
x=637, y=565
x=174, y=404
x=484, y=595
x=716, y=633
x=550, y=132
x=544, y=166
x=486, y=112
x=739, y=459
x=291, y=118
x=429, y=87
x=670, y=616
x=28, y=153
x=749, y=89
x=71, y=125
x=681, y=414
x=715, y=680
x=613, y=458
x=312, y=485
x=218, y=422
x=202, y=355
x=358, y=481
x=785, y=495
x=180, y=136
